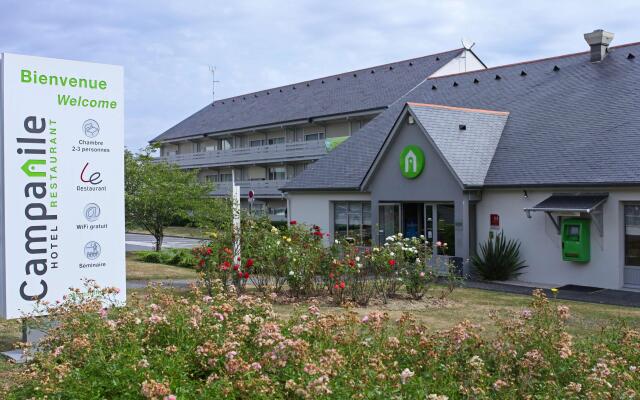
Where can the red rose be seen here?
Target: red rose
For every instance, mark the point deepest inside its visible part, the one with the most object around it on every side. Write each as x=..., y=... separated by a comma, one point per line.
x=293, y=222
x=209, y=250
x=250, y=263
x=342, y=285
x=201, y=262
x=239, y=274
x=392, y=262
x=246, y=275
x=331, y=275
x=336, y=286
x=236, y=267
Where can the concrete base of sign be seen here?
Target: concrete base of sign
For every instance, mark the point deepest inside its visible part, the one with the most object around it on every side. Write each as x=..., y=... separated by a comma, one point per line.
x=29, y=335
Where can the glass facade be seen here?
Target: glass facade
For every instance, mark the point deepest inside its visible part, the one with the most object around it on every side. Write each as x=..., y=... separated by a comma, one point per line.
x=352, y=220
x=632, y=234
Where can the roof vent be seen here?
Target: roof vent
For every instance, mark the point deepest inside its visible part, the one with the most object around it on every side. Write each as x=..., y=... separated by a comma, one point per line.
x=476, y=80
x=411, y=64
x=437, y=58
x=338, y=78
x=598, y=41
x=498, y=77
x=556, y=68
x=630, y=56
x=233, y=100
x=455, y=84
x=390, y=67
x=322, y=81
x=522, y=73
x=462, y=127
x=373, y=72
x=255, y=95
x=355, y=75
x=268, y=93
x=433, y=87
x=280, y=90
x=294, y=88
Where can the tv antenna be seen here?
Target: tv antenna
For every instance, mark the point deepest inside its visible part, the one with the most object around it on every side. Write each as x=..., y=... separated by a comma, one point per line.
x=467, y=43
x=212, y=69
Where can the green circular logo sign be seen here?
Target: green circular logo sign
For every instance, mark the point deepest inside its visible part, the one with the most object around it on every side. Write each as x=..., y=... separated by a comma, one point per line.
x=411, y=161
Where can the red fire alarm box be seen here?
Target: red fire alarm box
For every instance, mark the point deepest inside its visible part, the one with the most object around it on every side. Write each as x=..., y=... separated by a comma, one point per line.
x=494, y=221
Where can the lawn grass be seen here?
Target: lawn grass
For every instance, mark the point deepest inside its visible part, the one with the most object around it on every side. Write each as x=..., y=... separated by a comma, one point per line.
x=139, y=270
x=476, y=305
x=180, y=231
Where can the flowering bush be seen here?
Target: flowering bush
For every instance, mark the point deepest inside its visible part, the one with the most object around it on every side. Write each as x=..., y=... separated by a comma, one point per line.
x=166, y=345
x=402, y=261
x=349, y=275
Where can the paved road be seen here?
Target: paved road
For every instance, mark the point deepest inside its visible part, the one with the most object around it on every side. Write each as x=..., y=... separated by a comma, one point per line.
x=137, y=241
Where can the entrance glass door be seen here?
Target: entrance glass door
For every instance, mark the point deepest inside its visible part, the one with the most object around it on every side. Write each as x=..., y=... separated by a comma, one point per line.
x=439, y=226
x=388, y=221
x=412, y=219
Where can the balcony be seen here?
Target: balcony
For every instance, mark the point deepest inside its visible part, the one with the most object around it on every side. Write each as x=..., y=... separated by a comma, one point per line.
x=261, y=189
x=251, y=155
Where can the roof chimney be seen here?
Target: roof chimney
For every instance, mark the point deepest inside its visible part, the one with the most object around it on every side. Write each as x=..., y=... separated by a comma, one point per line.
x=599, y=41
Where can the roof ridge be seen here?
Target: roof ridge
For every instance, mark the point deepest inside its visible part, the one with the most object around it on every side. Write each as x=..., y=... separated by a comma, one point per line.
x=441, y=106
x=336, y=75
x=530, y=61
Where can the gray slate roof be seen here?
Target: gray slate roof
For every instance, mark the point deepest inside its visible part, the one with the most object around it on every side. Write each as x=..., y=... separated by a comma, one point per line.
x=361, y=90
x=571, y=123
x=468, y=152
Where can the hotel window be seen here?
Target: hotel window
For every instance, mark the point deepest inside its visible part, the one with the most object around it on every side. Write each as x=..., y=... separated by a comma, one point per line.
x=210, y=147
x=277, y=140
x=225, y=144
x=632, y=234
x=213, y=178
x=314, y=136
x=352, y=220
x=277, y=173
x=225, y=177
x=256, y=143
x=278, y=211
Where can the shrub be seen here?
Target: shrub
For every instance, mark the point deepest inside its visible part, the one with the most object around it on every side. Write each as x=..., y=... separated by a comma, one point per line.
x=152, y=257
x=195, y=346
x=499, y=259
x=177, y=257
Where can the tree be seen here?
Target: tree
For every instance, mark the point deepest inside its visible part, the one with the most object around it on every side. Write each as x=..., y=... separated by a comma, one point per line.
x=157, y=193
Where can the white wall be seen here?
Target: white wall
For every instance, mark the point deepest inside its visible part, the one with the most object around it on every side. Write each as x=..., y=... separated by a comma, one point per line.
x=315, y=208
x=465, y=62
x=541, y=246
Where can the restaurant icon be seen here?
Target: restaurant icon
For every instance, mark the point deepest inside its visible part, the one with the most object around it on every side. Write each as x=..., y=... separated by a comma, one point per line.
x=91, y=128
x=92, y=250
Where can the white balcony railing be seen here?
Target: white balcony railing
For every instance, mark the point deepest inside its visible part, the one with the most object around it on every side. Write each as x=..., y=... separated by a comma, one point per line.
x=251, y=155
x=260, y=188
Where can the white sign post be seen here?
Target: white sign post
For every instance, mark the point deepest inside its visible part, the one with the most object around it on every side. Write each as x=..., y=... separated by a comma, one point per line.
x=235, y=206
x=62, y=172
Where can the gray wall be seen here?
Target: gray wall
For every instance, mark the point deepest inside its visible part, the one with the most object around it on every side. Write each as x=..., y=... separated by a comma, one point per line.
x=435, y=184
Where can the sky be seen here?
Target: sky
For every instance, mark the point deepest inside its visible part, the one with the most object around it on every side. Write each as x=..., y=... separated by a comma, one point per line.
x=166, y=47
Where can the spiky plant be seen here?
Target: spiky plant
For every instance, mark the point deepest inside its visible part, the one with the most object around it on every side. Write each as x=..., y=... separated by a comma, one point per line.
x=499, y=259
